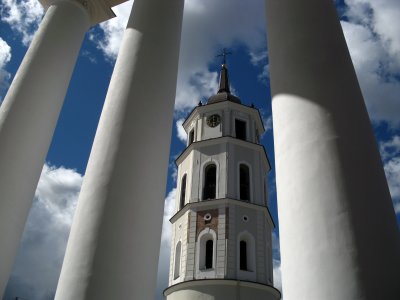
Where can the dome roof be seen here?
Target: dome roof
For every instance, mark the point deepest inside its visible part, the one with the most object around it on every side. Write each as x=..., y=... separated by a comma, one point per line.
x=223, y=96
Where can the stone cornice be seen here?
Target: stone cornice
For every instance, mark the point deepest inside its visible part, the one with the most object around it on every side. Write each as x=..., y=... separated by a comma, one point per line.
x=198, y=110
x=220, y=282
x=224, y=202
x=225, y=139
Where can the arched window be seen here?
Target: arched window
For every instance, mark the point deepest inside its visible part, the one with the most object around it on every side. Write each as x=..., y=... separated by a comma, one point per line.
x=209, y=254
x=206, y=250
x=243, y=255
x=246, y=258
x=183, y=192
x=177, y=260
x=210, y=182
x=244, y=178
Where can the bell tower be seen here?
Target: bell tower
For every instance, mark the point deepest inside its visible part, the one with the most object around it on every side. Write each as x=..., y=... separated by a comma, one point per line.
x=221, y=242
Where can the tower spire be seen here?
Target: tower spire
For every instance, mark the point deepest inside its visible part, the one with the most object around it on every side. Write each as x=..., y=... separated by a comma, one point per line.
x=224, y=80
x=224, y=93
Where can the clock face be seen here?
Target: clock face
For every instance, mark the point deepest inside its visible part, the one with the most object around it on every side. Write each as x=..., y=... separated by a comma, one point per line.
x=213, y=120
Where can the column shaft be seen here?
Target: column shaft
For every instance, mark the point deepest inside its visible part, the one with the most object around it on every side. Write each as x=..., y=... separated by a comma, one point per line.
x=28, y=118
x=113, y=248
x=338, y=233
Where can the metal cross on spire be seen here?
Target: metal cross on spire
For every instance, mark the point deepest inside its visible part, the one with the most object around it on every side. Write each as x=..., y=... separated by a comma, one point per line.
x=224, y=54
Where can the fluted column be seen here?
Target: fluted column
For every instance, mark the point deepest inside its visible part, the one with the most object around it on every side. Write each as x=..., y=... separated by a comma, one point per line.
x=28, y=118
x=113, y=248
x=338, y=233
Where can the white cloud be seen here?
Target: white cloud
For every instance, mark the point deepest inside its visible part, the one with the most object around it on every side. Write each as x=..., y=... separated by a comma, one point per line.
x=267, y=123
x=383, y=17
x=277, y=274
x=58, y=189
x=390, y=148
x=169, y=208
x=181, y=133
x=390, y=151
x=276, y=261
x=42, y=248
x=392, y=170
x=23, y=16
x=5, y=57
x=112, y=31
x=372, y=32
x=5, y=53
x=373, y=36
x=261, y=59
x=165, y=248
x=208, y=25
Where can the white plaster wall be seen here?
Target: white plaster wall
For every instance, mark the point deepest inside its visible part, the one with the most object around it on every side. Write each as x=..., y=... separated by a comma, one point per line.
x=246, y=227
x=239, y=115
x=202, y=156
x=179, y=233
x=191, y=246
x=228, y=111
x=185, y=167
x=232, y=249
x=227, y=156
x=261, y=248
x=208, y=273
x=238, y=154
x=211, y=132
x=221, y=243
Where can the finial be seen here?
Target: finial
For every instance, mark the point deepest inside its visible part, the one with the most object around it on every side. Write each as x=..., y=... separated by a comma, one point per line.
x=224, y=54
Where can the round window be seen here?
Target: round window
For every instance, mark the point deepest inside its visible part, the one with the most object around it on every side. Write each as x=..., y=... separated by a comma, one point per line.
x=207, y=217
x=245, y=218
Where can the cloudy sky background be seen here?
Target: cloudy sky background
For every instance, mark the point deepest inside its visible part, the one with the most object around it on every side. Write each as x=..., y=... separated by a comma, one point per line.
x=372, y=30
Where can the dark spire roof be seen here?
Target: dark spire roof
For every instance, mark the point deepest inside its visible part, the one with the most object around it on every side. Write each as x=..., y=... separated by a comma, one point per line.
x=224, y=93
x=224, y=80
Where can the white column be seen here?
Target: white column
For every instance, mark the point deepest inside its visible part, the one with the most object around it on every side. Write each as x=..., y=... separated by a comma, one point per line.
x=28, y=117
x=338, y=233
x=113, y=248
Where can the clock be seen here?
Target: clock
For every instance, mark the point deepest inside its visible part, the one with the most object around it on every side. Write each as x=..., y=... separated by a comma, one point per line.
x=213, y=120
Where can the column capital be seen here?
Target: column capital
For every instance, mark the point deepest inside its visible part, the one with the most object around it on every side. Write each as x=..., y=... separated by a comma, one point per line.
x=99, y=10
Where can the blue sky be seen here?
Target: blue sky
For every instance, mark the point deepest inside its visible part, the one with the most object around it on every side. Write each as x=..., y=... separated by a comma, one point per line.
x=372, y=30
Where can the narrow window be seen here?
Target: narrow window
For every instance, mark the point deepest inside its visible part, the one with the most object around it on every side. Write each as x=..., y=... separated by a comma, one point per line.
x=240, y=127
x=210, y=181
x=244, y=178
x=183, y=192
x=177, y=260
x=243, y=255
x=209, y=254
x=191, y=136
